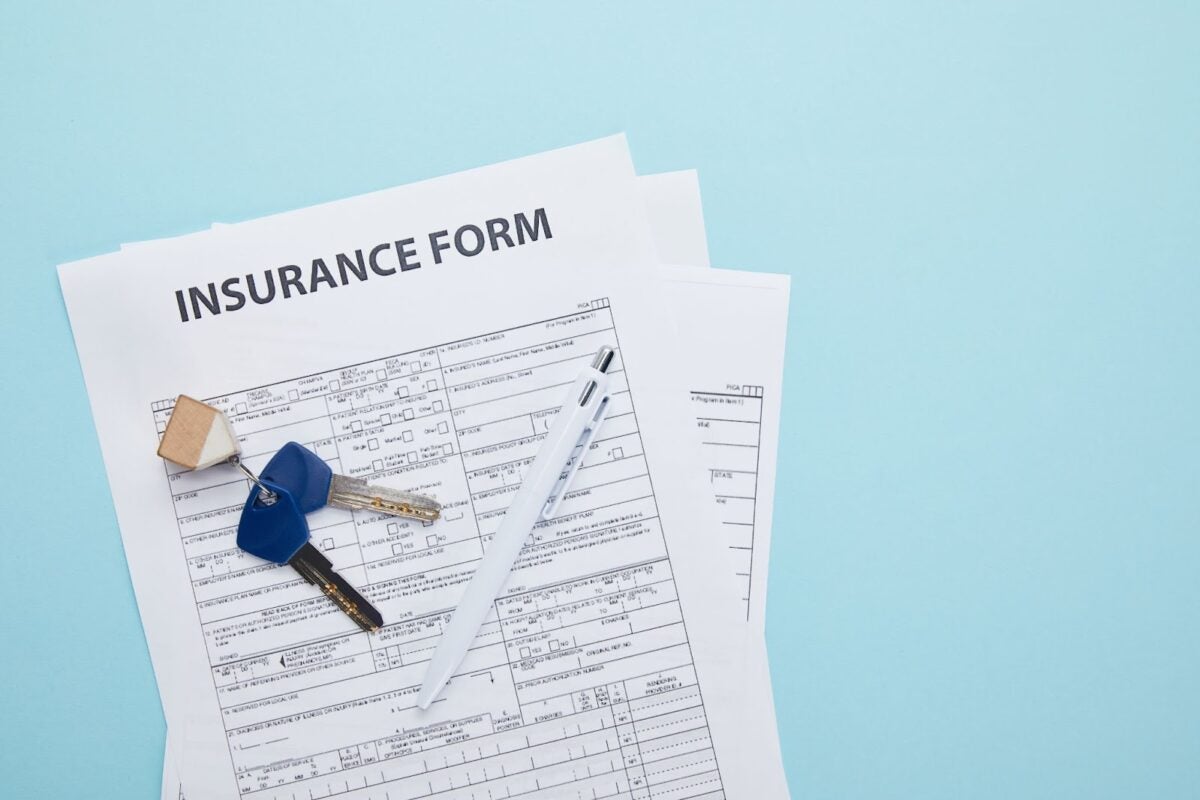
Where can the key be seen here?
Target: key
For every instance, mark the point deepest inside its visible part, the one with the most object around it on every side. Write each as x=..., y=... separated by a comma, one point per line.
x=198, y=436
x=276, y=530
x=313, y=484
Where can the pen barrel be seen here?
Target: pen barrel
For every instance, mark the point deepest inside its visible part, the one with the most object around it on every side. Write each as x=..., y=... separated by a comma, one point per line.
x=524, y=511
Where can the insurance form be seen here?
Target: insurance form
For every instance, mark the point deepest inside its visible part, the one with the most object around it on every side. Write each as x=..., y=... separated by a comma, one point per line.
x=610, y=666
x=740, y=446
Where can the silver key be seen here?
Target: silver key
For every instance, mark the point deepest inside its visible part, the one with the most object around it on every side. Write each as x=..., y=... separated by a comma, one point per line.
x=355, y=493
x=310, y=480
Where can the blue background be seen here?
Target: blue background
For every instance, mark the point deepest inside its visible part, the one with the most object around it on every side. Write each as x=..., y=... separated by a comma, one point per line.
x=985, y=574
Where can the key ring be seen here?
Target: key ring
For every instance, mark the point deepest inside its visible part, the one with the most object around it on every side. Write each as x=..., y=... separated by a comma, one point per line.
x=265, y=495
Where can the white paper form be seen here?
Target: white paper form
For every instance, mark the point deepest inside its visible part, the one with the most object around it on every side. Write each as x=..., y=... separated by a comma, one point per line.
x=737, y=419
x=167, y=353
x=676, y=222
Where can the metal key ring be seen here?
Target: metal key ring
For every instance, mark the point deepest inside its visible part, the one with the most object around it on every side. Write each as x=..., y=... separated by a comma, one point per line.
x=265, y=495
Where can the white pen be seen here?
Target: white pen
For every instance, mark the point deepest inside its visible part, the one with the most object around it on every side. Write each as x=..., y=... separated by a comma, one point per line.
x=545, y=483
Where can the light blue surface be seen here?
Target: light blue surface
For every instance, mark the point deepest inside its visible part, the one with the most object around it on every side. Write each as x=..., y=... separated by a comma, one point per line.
x=986, y=573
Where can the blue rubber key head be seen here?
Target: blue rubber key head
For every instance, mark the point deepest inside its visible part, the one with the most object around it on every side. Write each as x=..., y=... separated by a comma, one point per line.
x=276, y=531
x=301, y=472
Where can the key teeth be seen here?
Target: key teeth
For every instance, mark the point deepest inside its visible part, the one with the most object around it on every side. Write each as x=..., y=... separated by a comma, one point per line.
x=355, y=614
x=356, y=493
x=349, y=607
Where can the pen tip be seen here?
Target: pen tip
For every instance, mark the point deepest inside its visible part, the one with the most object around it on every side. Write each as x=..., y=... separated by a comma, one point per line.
x=429, y=692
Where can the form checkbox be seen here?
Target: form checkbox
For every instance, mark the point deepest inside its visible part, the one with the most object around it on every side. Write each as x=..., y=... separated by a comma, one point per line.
x=443, y=427
x=385, y=419
x=408, y=413
x=372, y=444
x=431, y=386
x=293, y=395
x=402, y=392
x=335, y=386
x=412, y=456
x=327, y=545
x=377, y=465
x=406, y=436
x=447, y=449
x=525, y=652
x=553, y=645
x=356, y=426
x=414, y=366
x=397, y=548
x=381, y=374
x=618, y=452
x=438, y=405
x=240, y=408
x=431, y=540
x=393, y=527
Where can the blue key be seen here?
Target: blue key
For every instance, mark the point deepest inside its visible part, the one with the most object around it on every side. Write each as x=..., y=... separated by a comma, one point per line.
x=313, y=484
x=277, y=531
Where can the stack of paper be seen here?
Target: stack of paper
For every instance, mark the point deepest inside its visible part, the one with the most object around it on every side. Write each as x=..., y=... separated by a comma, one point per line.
x=421, y=337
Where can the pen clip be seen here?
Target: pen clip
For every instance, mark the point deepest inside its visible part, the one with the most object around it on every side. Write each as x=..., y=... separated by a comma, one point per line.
x=577, y=455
